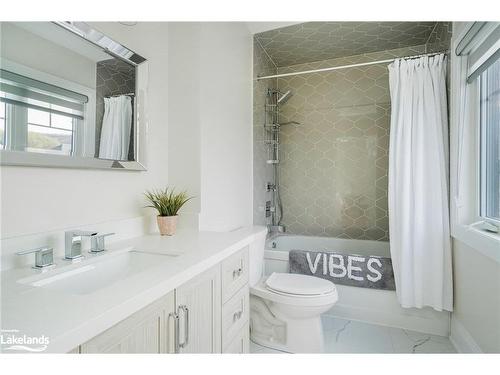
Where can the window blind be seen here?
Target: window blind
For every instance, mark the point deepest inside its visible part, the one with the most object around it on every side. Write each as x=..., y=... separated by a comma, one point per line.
x=481, y=44
x=28, y=92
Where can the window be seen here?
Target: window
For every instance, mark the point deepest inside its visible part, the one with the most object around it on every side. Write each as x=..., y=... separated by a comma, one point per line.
x=49, y=132
x=474, y=136
x=490, y=143
x=33, y=130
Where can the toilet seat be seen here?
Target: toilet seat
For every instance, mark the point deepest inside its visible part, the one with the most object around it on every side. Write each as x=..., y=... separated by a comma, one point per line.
x=299, y=285
x=263, y=291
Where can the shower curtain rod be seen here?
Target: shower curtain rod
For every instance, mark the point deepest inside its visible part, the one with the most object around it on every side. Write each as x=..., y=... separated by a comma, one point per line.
x=349, y=66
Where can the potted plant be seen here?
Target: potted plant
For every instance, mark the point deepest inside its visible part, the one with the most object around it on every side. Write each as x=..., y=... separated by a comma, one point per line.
x=167, y=203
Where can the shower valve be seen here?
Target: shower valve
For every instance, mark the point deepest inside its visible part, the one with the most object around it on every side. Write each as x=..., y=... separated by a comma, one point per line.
x=270, y=186
x=268, y=208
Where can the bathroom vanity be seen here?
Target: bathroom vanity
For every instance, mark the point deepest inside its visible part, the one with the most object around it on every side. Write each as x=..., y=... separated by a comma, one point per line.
x=189, y=319
x=183, y=294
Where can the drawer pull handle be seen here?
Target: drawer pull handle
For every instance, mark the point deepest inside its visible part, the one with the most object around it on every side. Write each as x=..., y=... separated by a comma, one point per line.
x=185, y=309
x=237, y=273
x=237, y=315
x=175, y=317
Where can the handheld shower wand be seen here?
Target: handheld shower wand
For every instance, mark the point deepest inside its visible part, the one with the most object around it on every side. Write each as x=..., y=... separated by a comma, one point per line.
x=284, y=97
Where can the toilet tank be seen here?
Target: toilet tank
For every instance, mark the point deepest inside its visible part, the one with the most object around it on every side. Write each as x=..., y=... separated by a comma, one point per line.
x=256, y=257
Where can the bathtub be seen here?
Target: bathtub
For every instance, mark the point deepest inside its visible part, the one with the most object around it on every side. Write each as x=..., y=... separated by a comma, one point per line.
x=281, y=244
x=362, y=304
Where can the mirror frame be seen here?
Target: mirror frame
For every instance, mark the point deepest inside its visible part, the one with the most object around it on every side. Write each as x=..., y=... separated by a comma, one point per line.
x=117, y=50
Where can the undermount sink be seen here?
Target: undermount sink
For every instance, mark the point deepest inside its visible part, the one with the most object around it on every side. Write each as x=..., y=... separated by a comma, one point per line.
x=97, y=273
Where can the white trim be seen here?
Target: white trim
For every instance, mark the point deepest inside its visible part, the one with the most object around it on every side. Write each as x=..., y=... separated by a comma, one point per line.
x=461, y=339
x=483, y=242
x=470, y=33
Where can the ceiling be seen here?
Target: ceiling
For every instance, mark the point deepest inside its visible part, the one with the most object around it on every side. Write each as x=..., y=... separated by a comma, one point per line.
x=316, y=41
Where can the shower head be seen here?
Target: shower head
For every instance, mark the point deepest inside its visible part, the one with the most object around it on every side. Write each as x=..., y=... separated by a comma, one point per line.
x=284, y=97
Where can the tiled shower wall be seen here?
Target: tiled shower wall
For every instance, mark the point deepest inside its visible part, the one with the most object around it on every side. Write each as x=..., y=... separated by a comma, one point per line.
x=334, y=164
x=262, y=172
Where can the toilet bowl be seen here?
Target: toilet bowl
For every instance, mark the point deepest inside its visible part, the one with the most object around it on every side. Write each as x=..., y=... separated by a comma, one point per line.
x=285, y=311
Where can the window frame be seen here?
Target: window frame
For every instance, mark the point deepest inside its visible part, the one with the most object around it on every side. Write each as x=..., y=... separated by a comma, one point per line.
x=482, y=159
x=467, y=226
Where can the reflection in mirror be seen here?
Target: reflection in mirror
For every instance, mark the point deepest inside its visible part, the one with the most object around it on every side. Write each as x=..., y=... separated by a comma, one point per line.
x=61, y=94
x=39, y=117
x=115, y=90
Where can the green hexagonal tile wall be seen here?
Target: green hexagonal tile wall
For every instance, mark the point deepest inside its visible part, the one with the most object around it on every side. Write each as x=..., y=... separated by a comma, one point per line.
x=333, y=169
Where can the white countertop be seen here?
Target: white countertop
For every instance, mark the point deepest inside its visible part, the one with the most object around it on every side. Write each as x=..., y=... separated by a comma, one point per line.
x=69, y=320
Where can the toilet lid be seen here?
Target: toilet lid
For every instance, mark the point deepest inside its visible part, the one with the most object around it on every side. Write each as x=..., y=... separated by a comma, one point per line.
x=303, y=285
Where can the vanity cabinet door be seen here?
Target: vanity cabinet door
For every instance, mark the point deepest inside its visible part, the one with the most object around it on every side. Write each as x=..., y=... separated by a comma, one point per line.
x=147, y=331
x=199, y=308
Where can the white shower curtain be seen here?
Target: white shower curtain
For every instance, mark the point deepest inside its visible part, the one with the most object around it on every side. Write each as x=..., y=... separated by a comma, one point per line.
x=418, y=186
x=116, y=125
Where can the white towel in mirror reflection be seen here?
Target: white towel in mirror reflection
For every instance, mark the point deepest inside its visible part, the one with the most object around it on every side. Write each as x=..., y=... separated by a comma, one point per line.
x=116, y=123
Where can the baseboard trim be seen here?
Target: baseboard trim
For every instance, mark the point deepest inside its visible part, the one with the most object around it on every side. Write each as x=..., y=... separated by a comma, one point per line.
x=462, y=339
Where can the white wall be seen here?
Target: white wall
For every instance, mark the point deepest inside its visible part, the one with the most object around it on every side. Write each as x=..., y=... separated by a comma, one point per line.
x=210, y=116
x=184, y=112
x=226, y=126
x=477, y=297
x=199, y=87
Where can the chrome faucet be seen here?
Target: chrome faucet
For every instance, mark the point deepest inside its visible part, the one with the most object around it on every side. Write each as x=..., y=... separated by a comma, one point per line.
x=73, y=243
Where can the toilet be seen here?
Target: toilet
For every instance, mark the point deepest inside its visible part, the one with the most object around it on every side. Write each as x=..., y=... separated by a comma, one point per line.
x=285, y=309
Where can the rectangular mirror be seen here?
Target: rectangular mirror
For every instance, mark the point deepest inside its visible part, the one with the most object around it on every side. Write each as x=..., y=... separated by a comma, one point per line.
x=70, y=97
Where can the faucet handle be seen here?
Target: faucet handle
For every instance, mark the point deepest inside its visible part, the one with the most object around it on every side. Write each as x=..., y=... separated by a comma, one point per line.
x=44, y=256
x=97, y=243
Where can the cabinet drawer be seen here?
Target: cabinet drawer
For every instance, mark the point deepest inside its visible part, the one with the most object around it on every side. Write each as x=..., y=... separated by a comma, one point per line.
x=235, y=315
x=234, y=273
x=240, y=344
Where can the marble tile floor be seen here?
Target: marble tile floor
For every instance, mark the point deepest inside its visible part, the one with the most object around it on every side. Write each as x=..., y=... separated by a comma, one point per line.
x=348, y=336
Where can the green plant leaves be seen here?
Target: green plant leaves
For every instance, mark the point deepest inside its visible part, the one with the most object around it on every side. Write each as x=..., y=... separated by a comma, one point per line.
x=166, y=201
